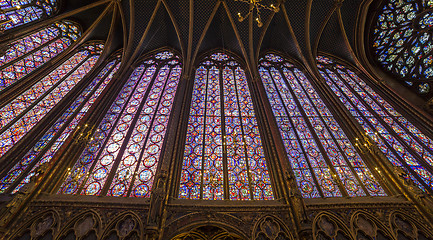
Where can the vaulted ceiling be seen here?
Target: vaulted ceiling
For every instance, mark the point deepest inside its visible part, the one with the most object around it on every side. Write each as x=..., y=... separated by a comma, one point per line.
x=300, y=29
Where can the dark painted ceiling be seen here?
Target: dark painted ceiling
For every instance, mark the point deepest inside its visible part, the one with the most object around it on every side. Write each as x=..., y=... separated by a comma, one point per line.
x=301, y=28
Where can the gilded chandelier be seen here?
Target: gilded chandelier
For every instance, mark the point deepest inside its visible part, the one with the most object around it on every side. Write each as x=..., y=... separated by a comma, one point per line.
x=257, y=5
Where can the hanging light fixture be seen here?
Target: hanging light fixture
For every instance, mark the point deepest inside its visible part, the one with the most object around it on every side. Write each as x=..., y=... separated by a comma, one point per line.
x=257, y=6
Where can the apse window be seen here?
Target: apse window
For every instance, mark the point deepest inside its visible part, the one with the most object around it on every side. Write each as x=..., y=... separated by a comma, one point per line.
x=122, y=159
x=324, y=161
x=224, y=156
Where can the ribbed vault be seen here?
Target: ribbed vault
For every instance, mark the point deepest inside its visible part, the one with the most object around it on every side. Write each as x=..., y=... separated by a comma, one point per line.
x=300, y=29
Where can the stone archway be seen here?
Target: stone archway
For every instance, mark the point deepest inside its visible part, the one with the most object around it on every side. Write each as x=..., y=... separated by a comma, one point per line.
x=207, y=233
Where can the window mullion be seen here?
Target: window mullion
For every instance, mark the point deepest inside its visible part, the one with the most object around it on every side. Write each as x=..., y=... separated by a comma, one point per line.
x=146, y=139
x=313, y=174
x=389, y=129
x=420, y=5
x=334, y=173
x=223, y=132
x=40, y=98
x=243, y=134
x=2, y=67
x=104, y=145
x=390, y=148
x=334, y=140
x=204, y=132
x=59, y=131
x=127, y=137
x=396, y=121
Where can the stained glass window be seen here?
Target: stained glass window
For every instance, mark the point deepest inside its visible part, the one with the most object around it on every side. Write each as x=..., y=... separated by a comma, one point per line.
x=26, y=110
x=318, y=150
x=402, y=41
x=123, y=156
x=48, y=144
x=19, y=12
x=403, y=144
x=223, y=157
x=30, y=52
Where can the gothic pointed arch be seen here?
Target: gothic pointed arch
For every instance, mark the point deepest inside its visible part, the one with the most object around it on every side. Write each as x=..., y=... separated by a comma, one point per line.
x=44, y=224
x=33, y=107
x=17, y=13
x=123, y=155
x=85, y=225
x=207, y=232
x=188, y=222
x=224, y=156
x=406, y=147
x=320, y=153
x=126, y=225
x=23, y=56
x=213, y=231
x=271, y=227
x=327, y=225
x=405, y=226
x=165, y=119
x=367, y=225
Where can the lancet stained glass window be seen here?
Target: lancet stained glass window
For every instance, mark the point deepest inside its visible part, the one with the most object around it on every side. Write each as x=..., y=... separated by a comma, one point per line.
x=223, y=157
x=30, y=52
x=22, y=113
x=318, y=150
x=19, y=12
x=403, y=144
x=45, y=148
x=123, y=156
x=402, y=41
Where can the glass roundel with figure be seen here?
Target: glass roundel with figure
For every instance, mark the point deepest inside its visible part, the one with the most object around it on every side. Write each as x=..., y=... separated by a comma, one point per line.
x=402, y=41
x=223, y=156
x=31, y=108
x=44, y=150
x=324, y=161
x=19, y=12
x=123, y=155
x=30, y=52
x=407, y=148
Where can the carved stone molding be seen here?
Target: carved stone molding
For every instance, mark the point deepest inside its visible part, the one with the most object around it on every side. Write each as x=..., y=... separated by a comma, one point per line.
x=405, y=226
x=367, y=225
x=207, y=232
x=186, y=222
x=327, y=225
x=271, y=228
x=85, y=224
x=123, y=218
x=126, y=225
x=41, y=225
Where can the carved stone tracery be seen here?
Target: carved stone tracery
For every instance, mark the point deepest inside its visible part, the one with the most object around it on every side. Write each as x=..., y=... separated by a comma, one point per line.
x=45, y=224
x=81, y=226
x=368, y=226
x=328, y=226
x=207, y=233
x=271, y=228
x=406, y=227
x=222, y=224
x=124, y=226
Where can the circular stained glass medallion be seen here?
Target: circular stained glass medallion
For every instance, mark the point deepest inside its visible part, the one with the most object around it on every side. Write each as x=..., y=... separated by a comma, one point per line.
x=403, y=41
